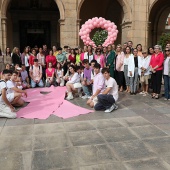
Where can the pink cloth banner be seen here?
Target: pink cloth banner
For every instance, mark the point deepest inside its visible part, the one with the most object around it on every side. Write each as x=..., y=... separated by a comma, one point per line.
x=41, y=106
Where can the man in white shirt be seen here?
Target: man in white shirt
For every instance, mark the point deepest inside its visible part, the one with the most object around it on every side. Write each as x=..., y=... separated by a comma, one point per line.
x=36, y=75
x=106, y=100
x=6, y=108
x=15, y=93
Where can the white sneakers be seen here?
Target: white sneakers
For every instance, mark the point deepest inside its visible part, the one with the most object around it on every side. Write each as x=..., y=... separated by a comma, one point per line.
x=85, y=97
x=113, y=107
x=70, y=96
x=5, y=111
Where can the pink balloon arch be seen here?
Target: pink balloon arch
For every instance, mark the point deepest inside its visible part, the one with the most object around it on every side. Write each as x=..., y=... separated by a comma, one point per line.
x=107, y=25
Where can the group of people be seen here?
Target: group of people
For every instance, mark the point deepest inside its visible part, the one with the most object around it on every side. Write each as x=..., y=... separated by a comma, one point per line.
x=96, y=74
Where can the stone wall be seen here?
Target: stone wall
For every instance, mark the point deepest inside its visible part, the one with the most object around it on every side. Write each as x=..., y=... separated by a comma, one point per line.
x=134, y=25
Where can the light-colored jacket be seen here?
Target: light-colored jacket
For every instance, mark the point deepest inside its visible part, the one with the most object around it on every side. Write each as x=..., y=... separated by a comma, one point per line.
x=131, y=65
x=120, y=62
x=145, y=63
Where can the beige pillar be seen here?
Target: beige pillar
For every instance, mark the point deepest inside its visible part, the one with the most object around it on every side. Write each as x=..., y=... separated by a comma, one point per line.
x=62, y=25
x=140, y=23
x=4, y=33
x=78, y=29
x=126, y=31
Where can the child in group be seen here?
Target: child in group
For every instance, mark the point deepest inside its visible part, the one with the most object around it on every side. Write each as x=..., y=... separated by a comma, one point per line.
x=98, y=86
x=106, y=100
x=59, y=75
x=50, y=75
x=15, y=91
x=24, y=78
x=6, y=108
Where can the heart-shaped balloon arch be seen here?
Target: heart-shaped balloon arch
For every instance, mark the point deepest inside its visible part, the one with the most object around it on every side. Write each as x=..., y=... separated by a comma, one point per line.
x=107, y=25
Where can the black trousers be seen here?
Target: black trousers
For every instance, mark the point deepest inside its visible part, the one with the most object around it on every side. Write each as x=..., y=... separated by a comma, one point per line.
x=104, y=102
x=157, y=80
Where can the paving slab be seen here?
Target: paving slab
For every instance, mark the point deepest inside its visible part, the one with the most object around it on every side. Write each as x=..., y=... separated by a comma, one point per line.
x=15, y=143
x=132, y=150
x=61, y=158
x=160, y=145
x=49, y=128
x=78, y=126
x=134, y=121
x=117, y=134
x=57, y=140
x=150, y=164
x=86, y=138
x=94, y=154
x=148, y=132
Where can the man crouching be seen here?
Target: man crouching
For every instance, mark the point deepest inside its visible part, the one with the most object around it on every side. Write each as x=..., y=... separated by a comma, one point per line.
x=106, y=100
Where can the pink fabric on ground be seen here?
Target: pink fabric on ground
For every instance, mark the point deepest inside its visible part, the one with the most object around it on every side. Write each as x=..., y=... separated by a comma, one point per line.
x=42, y=106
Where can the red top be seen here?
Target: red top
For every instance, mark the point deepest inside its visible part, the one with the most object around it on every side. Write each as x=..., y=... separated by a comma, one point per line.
x=51, y=59
x=31, y=59
x=50, y=73
x=157, y=61
x=72, y=58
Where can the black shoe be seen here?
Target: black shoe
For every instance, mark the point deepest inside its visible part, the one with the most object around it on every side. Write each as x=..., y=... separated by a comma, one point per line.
x=131, y=93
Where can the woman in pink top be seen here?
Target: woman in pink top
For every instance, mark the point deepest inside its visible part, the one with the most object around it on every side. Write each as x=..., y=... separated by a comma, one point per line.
x=156, y=65
x=100, y=58
x=82, y=54
x=49, y=75
x=51, y=59
x=120, y=67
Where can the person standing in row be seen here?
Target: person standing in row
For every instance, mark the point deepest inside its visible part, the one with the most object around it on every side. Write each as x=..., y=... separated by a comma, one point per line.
x=156, y=65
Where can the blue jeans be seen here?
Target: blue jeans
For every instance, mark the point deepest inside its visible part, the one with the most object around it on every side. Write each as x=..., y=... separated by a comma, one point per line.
x=127, y=80
x=167, y=86
x=105, y=101
x=86, y=90
x=134, y=81
x=40, y=84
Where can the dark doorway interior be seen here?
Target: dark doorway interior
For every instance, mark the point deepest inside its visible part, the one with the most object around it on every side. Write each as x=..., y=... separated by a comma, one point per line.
x=35, y=33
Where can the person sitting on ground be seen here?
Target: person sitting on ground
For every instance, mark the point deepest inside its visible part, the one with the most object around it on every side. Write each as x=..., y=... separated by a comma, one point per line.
x=24, y=78
x=73, y=85
x=87, y=83
x=106, y=100
x=36, y=75
x=50, y=75
x=6, y=108
x=59, y=75
x=14, y=91
x=98, y=86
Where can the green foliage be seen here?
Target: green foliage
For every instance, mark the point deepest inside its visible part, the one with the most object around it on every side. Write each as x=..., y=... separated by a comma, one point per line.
x=164, y=39
x=100, y=37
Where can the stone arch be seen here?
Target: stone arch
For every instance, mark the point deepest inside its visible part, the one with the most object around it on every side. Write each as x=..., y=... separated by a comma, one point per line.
x=125, y=5
x=6, y=3
x=158, y=13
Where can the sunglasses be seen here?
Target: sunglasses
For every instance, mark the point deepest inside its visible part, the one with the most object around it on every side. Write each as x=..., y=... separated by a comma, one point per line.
x=167, y=50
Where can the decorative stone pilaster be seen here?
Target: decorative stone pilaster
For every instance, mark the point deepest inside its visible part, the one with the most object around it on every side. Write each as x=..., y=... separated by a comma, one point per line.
x=126, y=31
x=62, y=24
x=4, y=32
x=78, y=28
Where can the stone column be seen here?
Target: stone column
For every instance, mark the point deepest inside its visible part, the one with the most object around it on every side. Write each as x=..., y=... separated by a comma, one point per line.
x=78, y=29
x=62, y=33
x=140, y=23
x=4, y=33
x=126, y=31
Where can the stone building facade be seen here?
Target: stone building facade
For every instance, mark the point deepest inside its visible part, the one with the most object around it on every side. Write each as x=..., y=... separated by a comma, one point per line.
x=54, y=22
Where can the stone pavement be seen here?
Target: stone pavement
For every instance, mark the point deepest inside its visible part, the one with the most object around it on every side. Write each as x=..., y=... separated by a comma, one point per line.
x=134, y=137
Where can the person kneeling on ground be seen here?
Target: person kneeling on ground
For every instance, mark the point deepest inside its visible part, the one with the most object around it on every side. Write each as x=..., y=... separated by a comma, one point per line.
x=98, y=86
x=14, y=93
x=50, y=75
x=106, y=100
x=73, y=85
x=6, y=109
x=36, y=74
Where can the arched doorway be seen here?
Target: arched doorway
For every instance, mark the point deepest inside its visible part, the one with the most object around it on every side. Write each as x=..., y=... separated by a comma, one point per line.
x=32, y=22
x=108, y=9
x=158, y=17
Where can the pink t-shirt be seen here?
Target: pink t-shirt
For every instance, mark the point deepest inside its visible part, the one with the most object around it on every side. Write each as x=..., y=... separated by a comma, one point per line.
x=50, y=73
